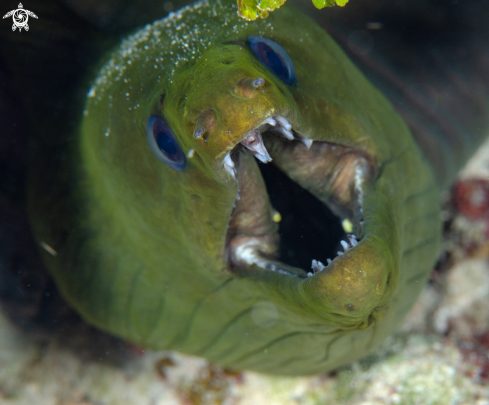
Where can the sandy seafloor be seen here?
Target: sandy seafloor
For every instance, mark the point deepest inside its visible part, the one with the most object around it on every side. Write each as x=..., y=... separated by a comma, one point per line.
x=440, y=354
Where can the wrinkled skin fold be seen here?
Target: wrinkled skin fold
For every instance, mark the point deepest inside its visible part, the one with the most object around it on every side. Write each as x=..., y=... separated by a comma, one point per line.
x=146, y=252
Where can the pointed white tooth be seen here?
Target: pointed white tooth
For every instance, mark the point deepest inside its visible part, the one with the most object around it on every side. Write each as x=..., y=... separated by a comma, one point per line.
x=329, y=261
x=228, y=161
x=285, y=132
x=254, y=143
x=283, y=121
x=306, y=141
x=345, y=245
x=309, y=274
x=339, y=253
x=320, y=266
x=353, y=240
x=288, y=133
x=269, y=121
x=317, y=266
x=230, y=170
x=266, y=124
x=229, y=165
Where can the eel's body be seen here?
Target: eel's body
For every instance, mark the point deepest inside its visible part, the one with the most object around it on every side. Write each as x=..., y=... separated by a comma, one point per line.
x=186, y=256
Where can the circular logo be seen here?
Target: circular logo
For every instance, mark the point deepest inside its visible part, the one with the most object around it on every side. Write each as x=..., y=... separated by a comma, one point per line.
x=20, y=16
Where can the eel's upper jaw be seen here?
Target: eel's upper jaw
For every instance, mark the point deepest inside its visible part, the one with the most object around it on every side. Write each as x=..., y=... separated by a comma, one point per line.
x=253, y=140
x=333, y=173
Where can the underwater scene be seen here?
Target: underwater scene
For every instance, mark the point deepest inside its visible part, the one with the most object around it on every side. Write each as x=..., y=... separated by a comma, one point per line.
x=244, y=202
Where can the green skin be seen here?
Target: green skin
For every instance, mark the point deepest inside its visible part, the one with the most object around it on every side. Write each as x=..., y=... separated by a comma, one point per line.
x=141, y=248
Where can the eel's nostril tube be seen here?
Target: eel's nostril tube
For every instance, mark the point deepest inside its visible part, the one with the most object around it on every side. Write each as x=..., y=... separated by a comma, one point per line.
x=205, y=124
x=248, y=87
x=258, y=82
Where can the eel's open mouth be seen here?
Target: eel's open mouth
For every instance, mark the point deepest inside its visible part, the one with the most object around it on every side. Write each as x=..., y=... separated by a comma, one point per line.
x=296, y=215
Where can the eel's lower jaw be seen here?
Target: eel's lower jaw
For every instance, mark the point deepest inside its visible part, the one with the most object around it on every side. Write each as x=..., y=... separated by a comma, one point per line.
x=334, y=174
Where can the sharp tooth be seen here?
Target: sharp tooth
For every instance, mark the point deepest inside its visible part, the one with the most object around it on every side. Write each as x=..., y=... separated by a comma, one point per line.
x=230, y=170
x=306, y=141
x=269, y=121
x=266, y=124
x=352, y=239
x=285, y=132
x=282, y=121
x=229, y=165
x=288, y=133
x=228, y=161
x=345, y=245
x=254, y=143
x=339, y=253
x=329, y=261
x=317, y=266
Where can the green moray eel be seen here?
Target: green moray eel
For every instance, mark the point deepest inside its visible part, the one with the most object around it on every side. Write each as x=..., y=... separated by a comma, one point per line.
x=188, y=257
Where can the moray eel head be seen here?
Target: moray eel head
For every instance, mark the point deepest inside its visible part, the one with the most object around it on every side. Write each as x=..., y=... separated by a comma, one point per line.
x=246, y=111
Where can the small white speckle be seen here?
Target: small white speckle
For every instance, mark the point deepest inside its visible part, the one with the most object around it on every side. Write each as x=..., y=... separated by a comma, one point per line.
x=179, y=39
x=48, y=249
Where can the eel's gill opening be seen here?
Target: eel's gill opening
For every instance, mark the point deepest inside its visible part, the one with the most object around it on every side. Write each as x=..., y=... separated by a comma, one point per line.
x=308, y=229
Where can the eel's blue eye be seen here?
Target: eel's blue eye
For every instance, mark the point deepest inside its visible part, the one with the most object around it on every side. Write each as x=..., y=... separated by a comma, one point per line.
x=274, y=58
x=164, y=144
